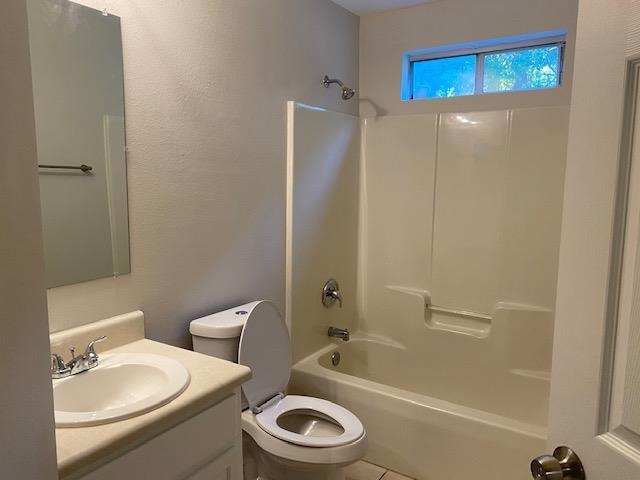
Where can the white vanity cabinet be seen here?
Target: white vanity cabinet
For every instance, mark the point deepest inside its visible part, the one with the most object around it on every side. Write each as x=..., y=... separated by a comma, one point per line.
x=207, y=446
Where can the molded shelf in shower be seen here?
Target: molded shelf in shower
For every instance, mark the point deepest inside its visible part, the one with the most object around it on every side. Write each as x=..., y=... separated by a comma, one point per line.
x=458, y=321
x=449, y=319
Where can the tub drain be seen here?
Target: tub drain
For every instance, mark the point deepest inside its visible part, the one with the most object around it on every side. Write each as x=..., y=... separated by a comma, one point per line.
x=335, y=359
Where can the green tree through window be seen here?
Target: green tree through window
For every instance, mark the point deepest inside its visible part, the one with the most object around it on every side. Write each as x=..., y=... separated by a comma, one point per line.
x=527, y=68
x=444, y=77
x=524, y=69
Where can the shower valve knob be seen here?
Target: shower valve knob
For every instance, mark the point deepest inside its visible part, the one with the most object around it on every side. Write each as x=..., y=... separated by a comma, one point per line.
x=563, y=465
x=331, y=294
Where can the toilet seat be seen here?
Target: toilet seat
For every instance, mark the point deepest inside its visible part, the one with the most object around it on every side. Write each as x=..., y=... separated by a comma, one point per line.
x=268, y=421
x=290, y=452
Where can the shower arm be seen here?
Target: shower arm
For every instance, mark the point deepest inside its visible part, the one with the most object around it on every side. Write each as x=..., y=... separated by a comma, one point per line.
x=328, y=81
x=347, y=93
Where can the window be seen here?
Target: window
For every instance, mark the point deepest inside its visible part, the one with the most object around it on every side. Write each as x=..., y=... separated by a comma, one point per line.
x=522, y=69
x=444, y=77
x=502, y=66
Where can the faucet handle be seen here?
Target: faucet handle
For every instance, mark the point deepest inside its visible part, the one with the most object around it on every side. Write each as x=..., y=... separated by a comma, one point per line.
x=331, y=293
x=57, y=363
x=90, y=351
x=338, y=296
x=58, y=367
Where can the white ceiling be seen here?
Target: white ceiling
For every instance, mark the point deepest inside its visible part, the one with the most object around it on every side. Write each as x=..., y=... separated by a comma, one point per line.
x=362, y=7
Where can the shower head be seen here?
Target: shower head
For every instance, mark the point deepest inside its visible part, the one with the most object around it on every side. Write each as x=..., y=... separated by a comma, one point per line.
x=347, y=92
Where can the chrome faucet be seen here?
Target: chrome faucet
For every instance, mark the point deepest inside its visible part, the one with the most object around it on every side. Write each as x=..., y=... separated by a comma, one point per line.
x=341, y=333
x=78, y=363
x=331, y=293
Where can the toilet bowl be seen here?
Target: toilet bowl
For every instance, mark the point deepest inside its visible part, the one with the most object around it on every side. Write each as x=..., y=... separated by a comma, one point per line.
x=285, y=437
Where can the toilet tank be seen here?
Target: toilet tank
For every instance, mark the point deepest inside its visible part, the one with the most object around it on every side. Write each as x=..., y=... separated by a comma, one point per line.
x=218, y=334
x=225, y=348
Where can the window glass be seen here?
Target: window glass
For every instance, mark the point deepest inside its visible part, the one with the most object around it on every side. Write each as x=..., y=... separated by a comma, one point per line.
x=523, y=69
x=444, y=77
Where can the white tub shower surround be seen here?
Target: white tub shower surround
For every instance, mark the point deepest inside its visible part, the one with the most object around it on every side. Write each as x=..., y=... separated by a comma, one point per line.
x=458, y=224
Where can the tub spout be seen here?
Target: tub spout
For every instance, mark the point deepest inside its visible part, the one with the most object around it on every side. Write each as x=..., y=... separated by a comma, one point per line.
x=341, y=333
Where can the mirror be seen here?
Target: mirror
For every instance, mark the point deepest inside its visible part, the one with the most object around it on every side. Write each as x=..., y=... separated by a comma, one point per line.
x=76, y=62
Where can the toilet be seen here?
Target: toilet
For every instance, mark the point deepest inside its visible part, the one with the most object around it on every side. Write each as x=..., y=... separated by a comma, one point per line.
x=285, y=437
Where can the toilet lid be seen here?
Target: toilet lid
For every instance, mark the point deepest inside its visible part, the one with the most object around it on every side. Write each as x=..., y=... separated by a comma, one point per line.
x=266, y=350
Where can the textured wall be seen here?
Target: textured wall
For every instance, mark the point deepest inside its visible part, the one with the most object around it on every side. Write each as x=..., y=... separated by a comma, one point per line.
x=205, y=89
x=386, y=37
x=26, y=404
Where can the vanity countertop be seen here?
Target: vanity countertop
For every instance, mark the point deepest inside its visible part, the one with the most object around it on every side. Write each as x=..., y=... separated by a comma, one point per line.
x=212, y=379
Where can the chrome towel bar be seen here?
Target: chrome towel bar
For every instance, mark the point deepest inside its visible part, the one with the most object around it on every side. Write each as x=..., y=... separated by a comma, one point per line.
x=83, y=167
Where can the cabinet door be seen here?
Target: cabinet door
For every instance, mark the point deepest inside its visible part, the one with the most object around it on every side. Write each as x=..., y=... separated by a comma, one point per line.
x=184, y=451
x=225, y=467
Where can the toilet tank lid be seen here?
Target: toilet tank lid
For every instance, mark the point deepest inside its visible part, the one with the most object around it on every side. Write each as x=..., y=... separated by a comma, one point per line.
x=225, y=324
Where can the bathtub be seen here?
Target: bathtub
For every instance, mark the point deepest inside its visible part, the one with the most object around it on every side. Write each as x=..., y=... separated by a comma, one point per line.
x=432, y=421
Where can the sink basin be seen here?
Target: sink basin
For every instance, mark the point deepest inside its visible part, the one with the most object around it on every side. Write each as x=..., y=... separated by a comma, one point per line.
x=123, y=385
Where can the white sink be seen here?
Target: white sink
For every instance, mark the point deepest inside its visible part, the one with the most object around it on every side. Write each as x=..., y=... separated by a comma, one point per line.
x=123, y=385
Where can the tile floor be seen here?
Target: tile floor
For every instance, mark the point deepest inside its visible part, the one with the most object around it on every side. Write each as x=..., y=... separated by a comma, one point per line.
x=368, y=471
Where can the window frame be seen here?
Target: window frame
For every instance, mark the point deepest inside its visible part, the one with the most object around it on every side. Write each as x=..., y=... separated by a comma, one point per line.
x=559, y=41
